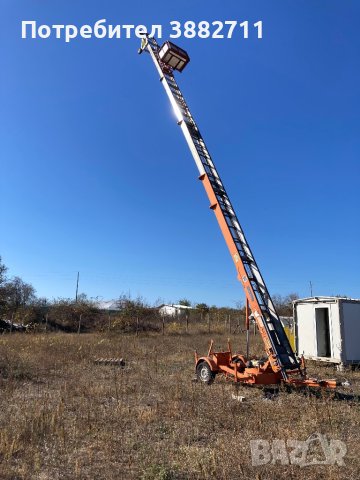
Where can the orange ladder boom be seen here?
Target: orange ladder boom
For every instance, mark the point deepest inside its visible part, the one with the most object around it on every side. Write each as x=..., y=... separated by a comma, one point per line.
x=277, y=346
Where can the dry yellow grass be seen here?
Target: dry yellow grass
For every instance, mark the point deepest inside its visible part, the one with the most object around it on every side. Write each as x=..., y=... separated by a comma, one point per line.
x=63, y=417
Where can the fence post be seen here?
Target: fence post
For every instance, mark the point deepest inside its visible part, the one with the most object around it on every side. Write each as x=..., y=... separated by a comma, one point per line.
x=229, y=323
x=137, y=326
x=79, y=328
x=209, y=322
x=163, y=325
x=187, y=323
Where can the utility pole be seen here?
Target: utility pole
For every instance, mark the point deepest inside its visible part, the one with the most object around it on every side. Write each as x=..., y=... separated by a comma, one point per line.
x=77, y=287
x=311, y=289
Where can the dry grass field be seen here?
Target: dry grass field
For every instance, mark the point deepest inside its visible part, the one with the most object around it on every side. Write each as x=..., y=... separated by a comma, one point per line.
x=63, y=417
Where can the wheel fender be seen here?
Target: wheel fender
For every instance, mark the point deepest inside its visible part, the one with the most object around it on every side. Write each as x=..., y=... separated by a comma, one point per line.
x=209, y=361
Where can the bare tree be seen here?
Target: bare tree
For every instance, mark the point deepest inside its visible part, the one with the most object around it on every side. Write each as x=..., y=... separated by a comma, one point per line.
x=3, y=270
x=202, y=307
x=18, y=293
x=185, y=302
x=283, y=304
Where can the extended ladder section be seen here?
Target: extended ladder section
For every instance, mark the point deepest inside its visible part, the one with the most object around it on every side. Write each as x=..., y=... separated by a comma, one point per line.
x=277, y=345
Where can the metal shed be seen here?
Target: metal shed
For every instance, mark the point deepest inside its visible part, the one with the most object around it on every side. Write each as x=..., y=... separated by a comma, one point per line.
x=328, y=329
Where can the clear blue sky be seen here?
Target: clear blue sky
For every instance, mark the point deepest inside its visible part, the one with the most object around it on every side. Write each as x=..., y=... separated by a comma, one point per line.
x=96, y=177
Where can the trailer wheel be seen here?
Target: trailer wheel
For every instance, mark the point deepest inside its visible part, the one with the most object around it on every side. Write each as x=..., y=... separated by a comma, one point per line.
x=204, y=373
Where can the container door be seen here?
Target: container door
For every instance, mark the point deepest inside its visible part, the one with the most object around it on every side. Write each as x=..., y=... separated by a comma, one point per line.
x=322, y=332
x=351, y=325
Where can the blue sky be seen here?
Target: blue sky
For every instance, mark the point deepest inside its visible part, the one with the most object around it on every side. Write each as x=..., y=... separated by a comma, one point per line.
x=96, y=177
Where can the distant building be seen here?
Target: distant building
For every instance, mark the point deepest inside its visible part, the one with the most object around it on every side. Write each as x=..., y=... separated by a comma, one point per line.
x=110, y=305
x=173, y=310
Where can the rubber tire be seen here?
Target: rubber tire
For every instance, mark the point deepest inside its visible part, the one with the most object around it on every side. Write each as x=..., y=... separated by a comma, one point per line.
x=204, y=373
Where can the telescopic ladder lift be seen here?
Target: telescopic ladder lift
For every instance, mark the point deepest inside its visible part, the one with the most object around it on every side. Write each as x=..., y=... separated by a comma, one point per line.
x=281, y=366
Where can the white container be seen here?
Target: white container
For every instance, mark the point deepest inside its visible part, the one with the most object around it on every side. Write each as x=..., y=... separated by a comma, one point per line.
x=328, y=329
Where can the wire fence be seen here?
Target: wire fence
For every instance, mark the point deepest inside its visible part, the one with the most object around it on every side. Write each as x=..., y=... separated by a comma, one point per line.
x=229, y=323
